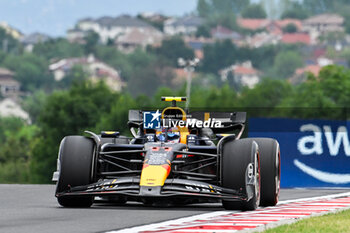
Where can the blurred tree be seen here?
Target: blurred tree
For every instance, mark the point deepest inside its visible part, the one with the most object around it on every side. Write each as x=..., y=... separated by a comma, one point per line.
x=290, y=28
x=326, y=6
x=263, y=57
x=14, y=163
x=91, y=41
x=34, y=103
x=255, y=11
x=58, y=48
x=228, y=6
x=332, y=37
x=146, y=81
x=157, y=24
x=326, y=99
x=199, y=96
x=228, y=97
x=14, y=172
x=143, y=101
x=206, y=80
x=345, y=54
x=319, y=6
x=145, y=71
x=294, y=10
x=2, y=56
x=203, y=8
x=215, y=98
x=318, y=106
x=329, y=79
x=116, y=59
x=274, y=8
x=30, y=70
x=67, y=113
x=234, y=83
x=9, y=124
x=226, y=20
x=162, y=91
x=222, y=54
x=20, y=140
x=218, y=56
x=344, y=10
x=172, y=49
x=140, y=59
x=203, y=31
x=265, y=96
x=8, y=44
x=118, y=117
x=286, y=63
x=75, y=75
x=221, y=12
x=110, y=42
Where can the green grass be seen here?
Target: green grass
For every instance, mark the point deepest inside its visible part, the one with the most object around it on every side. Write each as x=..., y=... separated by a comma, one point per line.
x=333, y=223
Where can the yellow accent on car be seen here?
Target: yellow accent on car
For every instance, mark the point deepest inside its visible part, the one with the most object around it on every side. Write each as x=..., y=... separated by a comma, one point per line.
x=206, y=116
x=211, y=188
x=170, y=99
x=109, y=132
x=174, y=108
x=115, y=180
x=183, y=135
x=154, y=175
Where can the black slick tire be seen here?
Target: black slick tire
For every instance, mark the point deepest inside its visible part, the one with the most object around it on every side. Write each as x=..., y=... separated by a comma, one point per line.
x=270, y=161
x=236, y=156
x=76, y=157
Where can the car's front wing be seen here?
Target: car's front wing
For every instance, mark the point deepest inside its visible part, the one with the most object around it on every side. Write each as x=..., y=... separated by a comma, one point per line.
x=129, y=186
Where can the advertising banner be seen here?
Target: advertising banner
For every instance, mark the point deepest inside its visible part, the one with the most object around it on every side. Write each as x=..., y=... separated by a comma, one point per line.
x=314, y=153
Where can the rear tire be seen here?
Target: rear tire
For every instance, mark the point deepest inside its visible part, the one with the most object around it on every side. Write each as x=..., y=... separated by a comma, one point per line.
x=236, y=156
x=270, y=160
x=76, y=157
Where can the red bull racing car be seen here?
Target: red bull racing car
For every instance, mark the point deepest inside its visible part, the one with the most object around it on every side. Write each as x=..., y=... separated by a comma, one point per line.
x=174, y=157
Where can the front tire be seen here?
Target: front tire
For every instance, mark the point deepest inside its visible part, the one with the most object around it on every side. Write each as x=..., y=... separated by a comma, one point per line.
x=270, y=170
x=76, y=157
x=237, y=155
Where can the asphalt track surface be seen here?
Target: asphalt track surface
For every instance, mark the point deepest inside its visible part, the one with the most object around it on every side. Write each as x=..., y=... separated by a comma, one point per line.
x=33, y=208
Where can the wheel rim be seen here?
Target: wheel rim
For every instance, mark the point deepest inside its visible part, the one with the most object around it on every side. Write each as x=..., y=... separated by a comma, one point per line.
x=278, y=174
x=257, y=178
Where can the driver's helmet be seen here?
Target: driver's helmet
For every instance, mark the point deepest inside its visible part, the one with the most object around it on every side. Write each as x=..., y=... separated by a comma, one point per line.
x=169, y=134
x=173, y=134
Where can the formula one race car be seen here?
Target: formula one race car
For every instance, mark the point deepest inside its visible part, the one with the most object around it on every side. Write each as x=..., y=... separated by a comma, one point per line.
x=174, y=157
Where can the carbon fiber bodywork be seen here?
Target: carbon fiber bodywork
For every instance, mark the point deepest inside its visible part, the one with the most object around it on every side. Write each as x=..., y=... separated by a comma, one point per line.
x=146, y=168
x=194, y=173
x=129, y=186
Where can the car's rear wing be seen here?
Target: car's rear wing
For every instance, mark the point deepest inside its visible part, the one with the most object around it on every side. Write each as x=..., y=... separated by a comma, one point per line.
x=135, y=116
x=229, y=120
x=224, y=117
